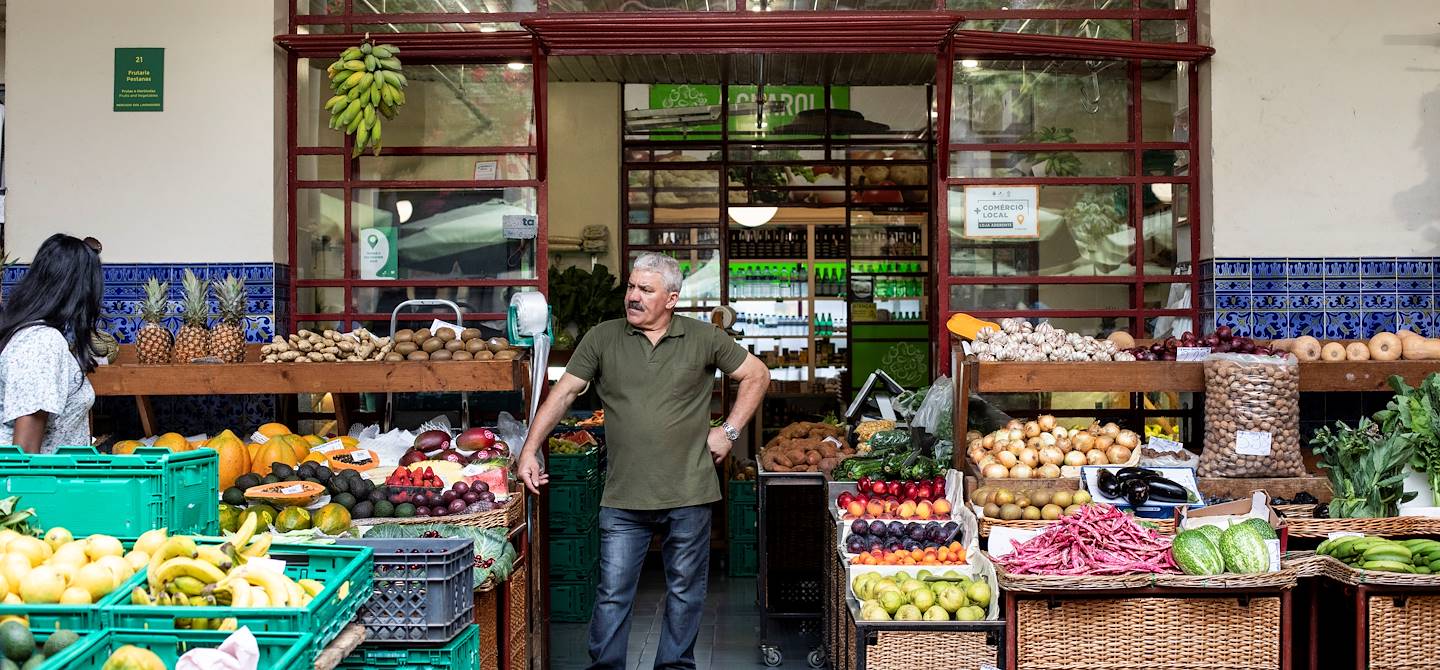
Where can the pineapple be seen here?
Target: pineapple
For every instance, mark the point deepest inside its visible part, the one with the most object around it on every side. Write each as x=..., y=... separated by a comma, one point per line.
x=153, y=339
x=191, y=342
x=227, y=338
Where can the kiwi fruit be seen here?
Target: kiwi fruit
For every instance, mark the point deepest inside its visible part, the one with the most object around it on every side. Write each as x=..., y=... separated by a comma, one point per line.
x=422, y=335
x=442, y=355
x=497, y=344
x=418, y=356
x=470, y=334
x=393, y=357
x=445, y=335
x=507, y=355
x=433, y=345
x=454, y=345
x=404, y=335
x=405, y=348
x=484, y=355
x=462, y=355
x=475, y=346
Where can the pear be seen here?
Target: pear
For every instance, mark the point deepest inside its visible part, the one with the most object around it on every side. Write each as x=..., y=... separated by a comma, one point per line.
x=908, y=613
x=936, y=613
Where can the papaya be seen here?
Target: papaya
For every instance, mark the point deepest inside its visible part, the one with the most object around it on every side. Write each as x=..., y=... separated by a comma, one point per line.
x=333, y=519
x=274, y=451
x=314, y=440
x=234, y=459
x=315, y=457
x=252, y=451
x=173, y=441
x=967, y=326
x=274, y=430
x=298, y=446
x=126, y=447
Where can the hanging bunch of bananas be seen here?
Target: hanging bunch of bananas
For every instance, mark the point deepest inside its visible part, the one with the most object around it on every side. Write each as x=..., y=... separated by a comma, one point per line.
x=182, y=573
x=368, y=84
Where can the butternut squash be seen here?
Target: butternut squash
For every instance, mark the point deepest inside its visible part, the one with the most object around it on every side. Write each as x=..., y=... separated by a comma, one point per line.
x=1283, y=344
x=1420, y=349
x=1332, y=352
x=1357, y=351
x=1306, y=349
x=1385, y=347
x=1405, y=334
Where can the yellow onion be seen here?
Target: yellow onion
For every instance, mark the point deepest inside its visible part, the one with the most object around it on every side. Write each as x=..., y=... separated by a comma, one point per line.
x=1048, y=439
x=1032, y=428
x=995, y=471
x=1117, y=454
x=1096, y=457
x=1049, y=471
x=1052, y=455
x=1075, y=458
x=1029, y=457
x=1016, y=435
x=1034, y=442
x=985, y=461
x=1127, y=439
x=1021, y=471
x=1111, y=429
x=1103, y=442
x=1007, y=459
x=1083, y=440
x=988, y=440
x=1047, y=422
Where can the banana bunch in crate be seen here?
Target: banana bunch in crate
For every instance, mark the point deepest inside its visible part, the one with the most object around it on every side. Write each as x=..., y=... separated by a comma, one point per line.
x=368, y=84
x=182, y=573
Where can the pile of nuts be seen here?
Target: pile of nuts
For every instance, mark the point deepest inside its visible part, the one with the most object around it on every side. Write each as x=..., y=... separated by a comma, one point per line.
x=328, y=347
x=1252, y=394
x=1020, y=340
x=445, y=345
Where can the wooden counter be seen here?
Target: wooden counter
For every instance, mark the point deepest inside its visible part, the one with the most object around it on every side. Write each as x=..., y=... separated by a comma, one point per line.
x=1148, y=376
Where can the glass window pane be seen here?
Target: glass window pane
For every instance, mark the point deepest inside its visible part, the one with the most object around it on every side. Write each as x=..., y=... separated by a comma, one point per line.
x=319, y=233
x=1015, y=101
x=903, y=111
x=887, y=235
x=1165, y=108
x=1164, y=4
x=1058, y=163
x=1028, y=297
x=322, y=326
x=312, y=89
x=1101, y=29
x=1084, y=231
x=471, y=299
x=672, y=236
x=320, y=300
x=1167, y=296
x=319, y=168
x=465, y=106
x=1167, y=228
x=381, y=29
x=1023, y=5
x=1166, y=163
x=702, y=271
x=1164, y=31
x=1168, y=326
x=672, y=154
x=651, y=5
x=445, y=234
x=456, y=168
x=861, y=5
x=318, y=7
x=689, y=112
x=679, y=188
x=759, y=153
x=441, y=6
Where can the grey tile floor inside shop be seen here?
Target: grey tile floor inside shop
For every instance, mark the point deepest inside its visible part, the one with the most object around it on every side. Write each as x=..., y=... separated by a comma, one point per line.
x=729, y=633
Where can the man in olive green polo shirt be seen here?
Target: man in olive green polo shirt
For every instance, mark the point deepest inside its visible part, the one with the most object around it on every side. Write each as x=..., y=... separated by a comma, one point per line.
x=654, y=372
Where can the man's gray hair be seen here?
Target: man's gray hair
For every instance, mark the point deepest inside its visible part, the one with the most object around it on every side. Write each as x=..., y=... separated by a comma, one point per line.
x=668, y=268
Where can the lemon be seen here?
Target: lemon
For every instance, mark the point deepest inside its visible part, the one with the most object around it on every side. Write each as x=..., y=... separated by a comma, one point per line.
x=14, y=568
x=70, y=554
x=96, y=579
x=58, y=536
x=102, y=546
x=75, y=595
x=42, y=586
x=31, y=548
x=137, y=559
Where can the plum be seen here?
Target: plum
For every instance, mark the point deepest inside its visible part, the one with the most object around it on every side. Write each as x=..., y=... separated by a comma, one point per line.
x=877, y=529
x=897, y=529
x=859, y=527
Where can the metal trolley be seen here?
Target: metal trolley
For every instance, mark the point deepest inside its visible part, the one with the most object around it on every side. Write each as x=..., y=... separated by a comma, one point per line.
x=789, y=580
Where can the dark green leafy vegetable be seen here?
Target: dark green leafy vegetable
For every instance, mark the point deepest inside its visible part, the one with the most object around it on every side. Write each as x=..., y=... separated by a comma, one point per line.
x=1417, y=411
x=492, y=545
x=1365, y=467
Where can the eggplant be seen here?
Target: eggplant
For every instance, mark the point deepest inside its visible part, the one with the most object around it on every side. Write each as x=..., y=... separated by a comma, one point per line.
x=1108, y=484
x=1167, y=490
x=1137, y=492
x=1136, y=473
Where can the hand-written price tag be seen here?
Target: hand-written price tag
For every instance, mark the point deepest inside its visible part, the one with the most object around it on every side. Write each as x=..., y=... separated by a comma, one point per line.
x=1192, y=354
x=1252, y=442
x=257, y=438
x=1162, y=444
x=332, y=445
x=292, y=490
x=360, y=456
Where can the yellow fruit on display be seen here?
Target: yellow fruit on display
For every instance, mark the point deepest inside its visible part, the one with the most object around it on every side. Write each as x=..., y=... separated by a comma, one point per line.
x=14, y=568
x=173, y=441
x=4, y=587
x=333, y=519
x=131, y=657
x=6, y=536
x=119, y=568
x=32, y=548
x=137, y=559
x=126, y=447
x=292, y=518
x=102, y=546
x=314, y=440
x=150, y=541
x=349, y=442
x=75, y=595
x=66, y=571
x=13, y=599
x=299, y=447
x=316, y=457
x=42, y=586
x=274, y=430
x=252, y=454
x=72, y=554
x=57, y=536
x=234, y=459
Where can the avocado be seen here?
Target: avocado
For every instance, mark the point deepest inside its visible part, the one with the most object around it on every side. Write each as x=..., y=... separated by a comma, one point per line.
x=379, y=493
x=281, y=470
x=323, y=473
x=362, y=488
x=383, y=509
x=246, y=481
x=313, y=480
x=344, y=500
x=34, y=663
x=306, y=469
x=363, y=510
x=339, y=485
x=404, y=510
x=7, y=664
x=16, y=641
x=59, y=640
x=233, y=496
x=270, y=479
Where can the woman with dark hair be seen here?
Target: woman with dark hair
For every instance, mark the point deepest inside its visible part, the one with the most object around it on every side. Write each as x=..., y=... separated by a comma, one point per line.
x=45, y=332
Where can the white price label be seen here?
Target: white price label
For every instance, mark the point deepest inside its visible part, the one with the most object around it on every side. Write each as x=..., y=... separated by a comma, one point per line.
x=292, y=490
x=1273, y=548
x=360, y=456
x=838, y=444
x=1192, y=354
x=1162, y=444
x=1252, y=442
x=437, y=325
x=274, y=565
x=257, y=438
x=519, y=226
x=332, y=445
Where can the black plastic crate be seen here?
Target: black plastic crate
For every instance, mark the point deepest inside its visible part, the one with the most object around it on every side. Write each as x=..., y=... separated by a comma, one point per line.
x=423, y=589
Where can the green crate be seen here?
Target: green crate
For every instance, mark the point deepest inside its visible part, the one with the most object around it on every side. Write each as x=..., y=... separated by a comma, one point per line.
x=742, y=491
x=349, y=567
x=278, y=651
x=89, y=492
x=461, y=653
x=744, y=559
x=573, y=600
x=65, y=658
x=74, y=617
x=574, y=556
x=574, y=506
x=742, y=521
x=573, y=467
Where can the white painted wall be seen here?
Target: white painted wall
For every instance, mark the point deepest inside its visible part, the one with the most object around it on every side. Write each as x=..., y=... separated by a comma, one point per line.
x=201, y=181
x=1324, y=127
x=583, y=159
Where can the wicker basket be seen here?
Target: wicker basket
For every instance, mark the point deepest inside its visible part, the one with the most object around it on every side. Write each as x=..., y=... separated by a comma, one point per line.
x=1198, y=633
x=487, y=615
x=1390, y=526
x=1285, y=578
x=506, y=516
x=1162, y=526
x=1340, y=572
x=1402, y=632
x=903, y=650
x=517, y=619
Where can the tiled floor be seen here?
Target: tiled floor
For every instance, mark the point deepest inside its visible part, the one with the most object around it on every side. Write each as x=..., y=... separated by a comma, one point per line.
x=729, y=633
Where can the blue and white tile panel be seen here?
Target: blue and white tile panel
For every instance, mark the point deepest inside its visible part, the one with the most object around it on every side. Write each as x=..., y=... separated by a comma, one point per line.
x=1337, y=298
x=267, y=286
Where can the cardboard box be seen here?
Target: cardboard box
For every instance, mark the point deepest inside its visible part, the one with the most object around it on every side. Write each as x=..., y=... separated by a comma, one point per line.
x=1231, y=513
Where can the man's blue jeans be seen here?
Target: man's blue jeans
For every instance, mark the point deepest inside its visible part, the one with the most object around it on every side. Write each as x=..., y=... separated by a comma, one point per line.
x=624, y=541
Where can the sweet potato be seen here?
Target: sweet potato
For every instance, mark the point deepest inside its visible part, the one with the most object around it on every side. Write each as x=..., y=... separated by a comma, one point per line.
x=828, y=464
x=812, y=457
x=782, y=458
